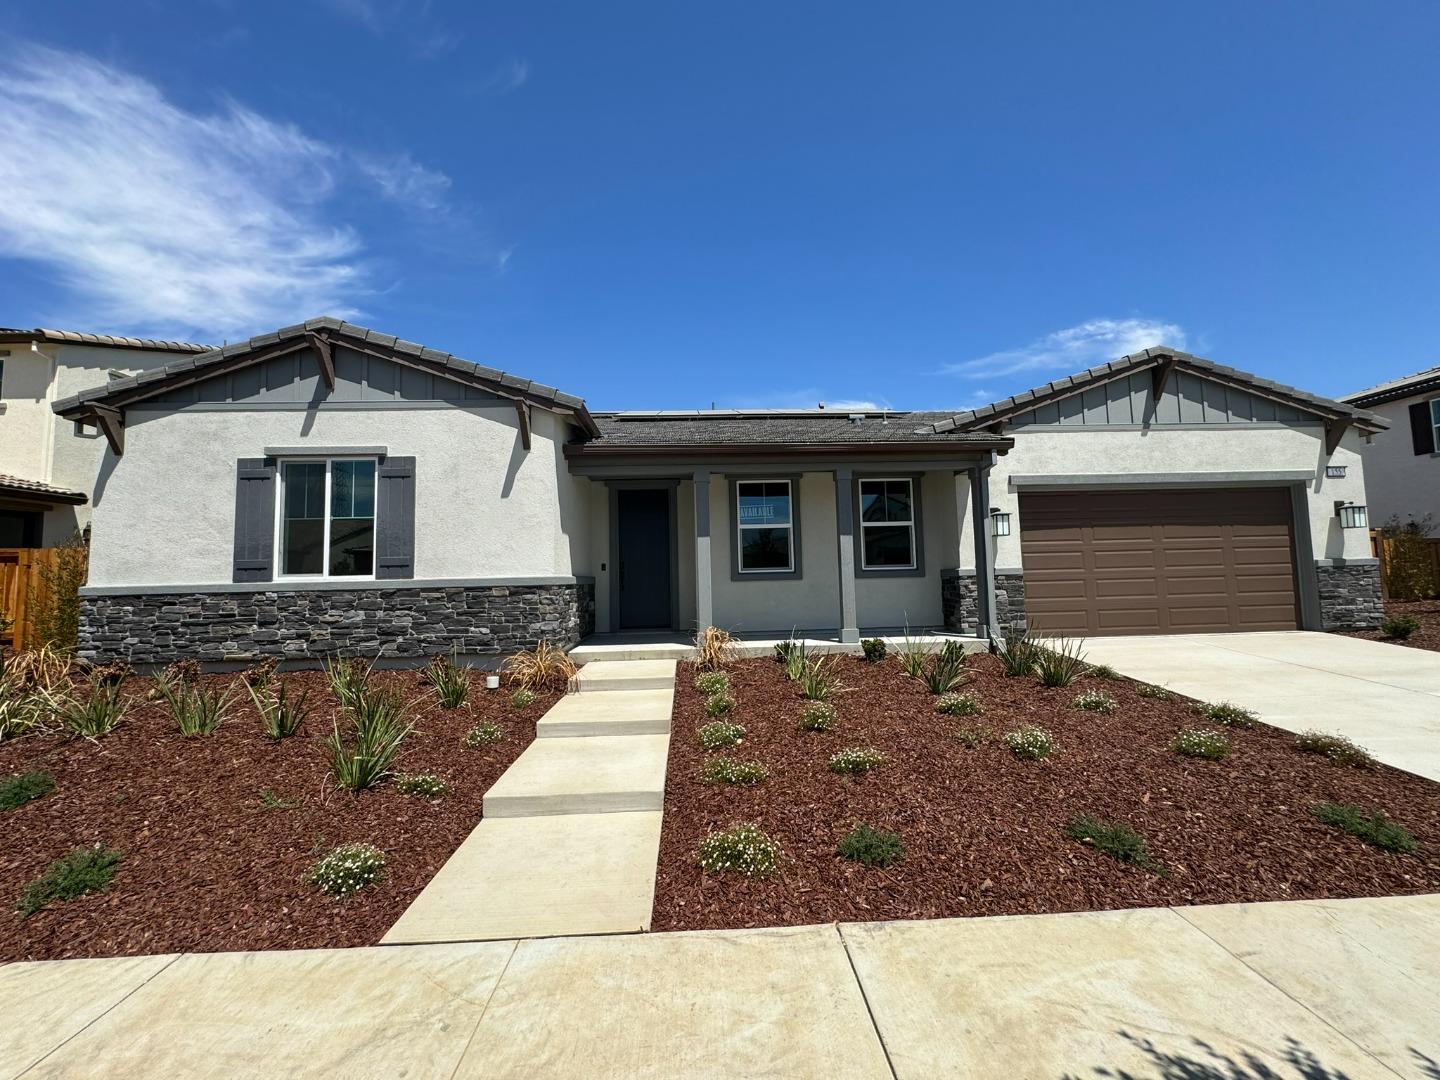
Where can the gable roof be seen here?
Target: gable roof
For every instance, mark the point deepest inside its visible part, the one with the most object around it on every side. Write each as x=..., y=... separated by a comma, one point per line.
x=731, y=429
x=1421, y=382
x=323, y=333
x=997, y=413
x=9, y=336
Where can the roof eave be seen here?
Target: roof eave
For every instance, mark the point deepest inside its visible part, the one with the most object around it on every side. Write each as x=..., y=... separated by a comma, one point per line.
x=596, y=449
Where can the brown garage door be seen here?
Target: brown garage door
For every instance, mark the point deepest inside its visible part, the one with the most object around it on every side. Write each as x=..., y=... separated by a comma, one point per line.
x=1158, y=562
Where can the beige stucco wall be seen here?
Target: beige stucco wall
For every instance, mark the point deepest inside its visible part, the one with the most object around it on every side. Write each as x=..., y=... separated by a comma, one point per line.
x=484, y=507
x=1400, y=482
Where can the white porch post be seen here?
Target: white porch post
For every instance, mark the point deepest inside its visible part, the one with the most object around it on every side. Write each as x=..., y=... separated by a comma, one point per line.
x=845, y=530
x=704, y=587
x=984, y=549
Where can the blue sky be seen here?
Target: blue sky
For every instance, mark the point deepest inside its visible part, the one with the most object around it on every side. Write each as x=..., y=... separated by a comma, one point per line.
x=753, y=204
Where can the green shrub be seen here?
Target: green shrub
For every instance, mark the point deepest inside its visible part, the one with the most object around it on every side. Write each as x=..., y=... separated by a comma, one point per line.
x=362, y=757
x=794, y=656
x=719, y=704
x=871, y=847
x=818, y=716
x=1399, y=627
x=523, y=698
x=946, y=669
x=1030, y=743
x=1159, y=693
x=272, y=800
x=728, y=770
x=346, y=869
x=425, y=785
x=1373, y=827
x=1223, y=712
x=721, y=735
x=1018, y=653
x=968, y=737
x=1116, y=839
x=740, y=849
x=711, y=683
x=449, y=680
x=19, y=790
x=819, y=679
x=962, y=704
x=1201, y=743
x=1409, y=571
x=83, y=871
x=485, y=733
x=1094, y=701
x=97, y=713
x=1059, y=663
x=1337, y=748
x=1102, y=671
x=280, y=714
x=55, y=604
x=198, y=710
x=855, y=760
x=348, y=679
x=874, y=649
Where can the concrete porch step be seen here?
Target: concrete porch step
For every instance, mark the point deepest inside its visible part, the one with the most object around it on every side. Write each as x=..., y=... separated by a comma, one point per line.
x=604, y=774
x=618, y=712
x=626, y=675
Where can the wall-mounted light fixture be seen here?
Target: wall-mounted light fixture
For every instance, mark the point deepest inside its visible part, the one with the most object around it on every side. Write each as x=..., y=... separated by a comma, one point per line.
x=1352, y=515
x=1335, y=472
x=999, y=522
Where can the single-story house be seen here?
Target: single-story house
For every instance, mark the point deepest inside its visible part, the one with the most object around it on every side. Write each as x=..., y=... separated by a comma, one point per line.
x=1402, y=465
x=326, y=488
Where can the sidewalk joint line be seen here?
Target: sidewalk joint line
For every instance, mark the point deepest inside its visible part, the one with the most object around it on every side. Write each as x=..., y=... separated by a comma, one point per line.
x=869, y=1011
x=514, y=945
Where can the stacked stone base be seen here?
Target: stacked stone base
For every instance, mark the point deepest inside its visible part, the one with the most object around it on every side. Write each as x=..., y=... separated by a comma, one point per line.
x=1351, y=597
x=960, y=602
x=315, y=625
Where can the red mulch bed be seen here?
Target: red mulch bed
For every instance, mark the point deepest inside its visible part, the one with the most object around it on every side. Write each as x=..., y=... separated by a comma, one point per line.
x=207, y=867
x=1427, y=637
x=983, y=830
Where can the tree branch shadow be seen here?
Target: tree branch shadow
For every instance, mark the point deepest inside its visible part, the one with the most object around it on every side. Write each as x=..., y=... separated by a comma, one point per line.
x=1202, y=1061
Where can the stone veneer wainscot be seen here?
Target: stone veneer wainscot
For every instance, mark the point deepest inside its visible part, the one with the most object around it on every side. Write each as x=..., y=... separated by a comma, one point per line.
x=959, y=601
x=1350, y=595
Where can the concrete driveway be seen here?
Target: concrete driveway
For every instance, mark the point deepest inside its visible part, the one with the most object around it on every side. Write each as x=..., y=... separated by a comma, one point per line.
x=1385, y=697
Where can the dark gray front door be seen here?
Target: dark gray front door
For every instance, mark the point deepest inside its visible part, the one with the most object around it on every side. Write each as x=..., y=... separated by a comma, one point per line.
x=644, y=558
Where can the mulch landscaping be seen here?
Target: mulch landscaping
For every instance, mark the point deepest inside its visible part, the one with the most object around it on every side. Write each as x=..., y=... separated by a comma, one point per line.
x=983, y=831
x=207, y=866
x=1427, y=637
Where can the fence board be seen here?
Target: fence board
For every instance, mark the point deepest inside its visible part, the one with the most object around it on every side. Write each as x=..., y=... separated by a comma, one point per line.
x=1380, y=548
x=20, y=581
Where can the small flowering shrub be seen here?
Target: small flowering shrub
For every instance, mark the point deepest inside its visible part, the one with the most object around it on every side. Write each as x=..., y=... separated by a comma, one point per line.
x=740, y=849
x=874, y=650
x=855, y=760
x=1030, y=743
x=871, y=847
x=1159, y=693
x=728, y=770
x=719, y=704
x=425, y=785
x=1094, y=701
x=720, y=735
x=1202, y=743
x=711, y=683
x=1223, y=712
x=346, y=869
x=522, y=698
x=1337, y=748
x=485, y=733
x=1102, y=671
x=961, y=704
x=818, y=716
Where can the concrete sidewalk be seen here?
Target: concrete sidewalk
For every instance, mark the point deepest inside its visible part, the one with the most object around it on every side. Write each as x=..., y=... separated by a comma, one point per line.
x=1332, y=989
x=1385, y=697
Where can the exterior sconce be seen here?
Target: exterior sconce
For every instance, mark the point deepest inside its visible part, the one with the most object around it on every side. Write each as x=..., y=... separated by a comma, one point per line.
x=999, y=523
x=1352, y=515
x=1335, y=472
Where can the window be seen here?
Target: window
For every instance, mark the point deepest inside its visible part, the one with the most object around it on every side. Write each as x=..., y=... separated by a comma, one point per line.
x=1435, y=422
x=765, y=528
x=887, y=525
x=327, y=518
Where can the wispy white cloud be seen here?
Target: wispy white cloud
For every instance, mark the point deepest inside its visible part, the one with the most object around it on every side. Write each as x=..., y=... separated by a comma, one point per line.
x=411, y=21
x=1075, y=348
x=508, y=77
x=166, y=220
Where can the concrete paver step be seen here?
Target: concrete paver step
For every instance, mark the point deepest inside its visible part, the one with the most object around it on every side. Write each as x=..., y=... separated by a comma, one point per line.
x=540, y=877
x=599, y=775
x=626, y=675
x=618, y=712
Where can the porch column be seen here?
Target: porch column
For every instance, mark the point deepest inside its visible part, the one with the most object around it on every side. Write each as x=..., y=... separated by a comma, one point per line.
x=984, y=548
x=704, y=587
x=845, y=530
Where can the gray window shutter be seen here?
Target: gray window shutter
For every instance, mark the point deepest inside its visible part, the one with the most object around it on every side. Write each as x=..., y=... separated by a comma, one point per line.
x=1422, y=431
x=395, y=511
x=254, y=519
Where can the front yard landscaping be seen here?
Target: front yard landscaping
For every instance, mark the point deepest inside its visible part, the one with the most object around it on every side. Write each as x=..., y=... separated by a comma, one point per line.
x=887, y=795
x=1415, y=623
x=239, y=834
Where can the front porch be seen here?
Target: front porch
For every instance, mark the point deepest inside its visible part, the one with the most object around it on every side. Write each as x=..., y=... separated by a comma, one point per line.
x=675, y=645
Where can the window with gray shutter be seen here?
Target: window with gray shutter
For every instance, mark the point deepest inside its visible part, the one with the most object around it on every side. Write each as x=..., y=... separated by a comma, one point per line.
x=395, y=519
x=1423, y=421
x=254, y=520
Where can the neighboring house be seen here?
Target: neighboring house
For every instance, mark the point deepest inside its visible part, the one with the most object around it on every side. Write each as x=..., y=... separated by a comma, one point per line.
x=48, y=467
x=1402, y=465
x=327, y=488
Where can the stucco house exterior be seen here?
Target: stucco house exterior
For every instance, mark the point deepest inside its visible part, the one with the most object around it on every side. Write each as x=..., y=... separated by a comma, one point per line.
x=47, y=467
x=326, y=488
x=1402, y=465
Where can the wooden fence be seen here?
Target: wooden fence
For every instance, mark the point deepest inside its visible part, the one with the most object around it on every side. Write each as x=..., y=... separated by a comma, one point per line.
x=20, y=582
x=1380, y=548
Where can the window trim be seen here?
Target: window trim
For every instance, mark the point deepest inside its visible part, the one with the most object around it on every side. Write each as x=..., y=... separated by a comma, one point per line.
x=795, y=570
x=278, y=570
x=917, y=527
x=1435, y=422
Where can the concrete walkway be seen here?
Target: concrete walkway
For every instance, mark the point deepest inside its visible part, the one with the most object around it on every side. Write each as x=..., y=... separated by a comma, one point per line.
x=1292, y=991
x=571, y=831
x=1385, y=697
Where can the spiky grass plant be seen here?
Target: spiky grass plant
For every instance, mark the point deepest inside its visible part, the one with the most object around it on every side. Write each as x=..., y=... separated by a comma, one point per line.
x=946, y=669
x=280, y=714
x=914, y=655
x=449, y=680
x=794, y=657
x=44, y=668
x=348, y=679
x=22, y=708
x=1059, y=661
x=545, y=667
x=362, y=756
x=88, y=715
x=819, y=680
x=198, y=709
x=714, y=648
x=1018, y=653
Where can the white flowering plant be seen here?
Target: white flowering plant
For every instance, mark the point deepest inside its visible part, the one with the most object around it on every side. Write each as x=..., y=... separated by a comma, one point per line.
x=855, y=760
x=425, y=785
x=1094, y=701
x=741, y=849
x=1202, y=743
x=959, y=704
x=485, y=733
x=721, y=735
x=1031, y=743
x=1223, y=712
x=728, y=770
x=346, y=869
x=710, y=683
x=818, y=716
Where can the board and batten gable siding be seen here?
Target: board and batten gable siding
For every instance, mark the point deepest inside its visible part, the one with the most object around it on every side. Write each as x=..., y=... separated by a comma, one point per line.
x=1188, y=399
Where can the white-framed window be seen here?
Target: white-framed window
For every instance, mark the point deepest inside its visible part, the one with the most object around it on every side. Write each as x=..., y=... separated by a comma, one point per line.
x=887, y=524
x=326, y=524
x=1435, y=421
x=764, y=526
